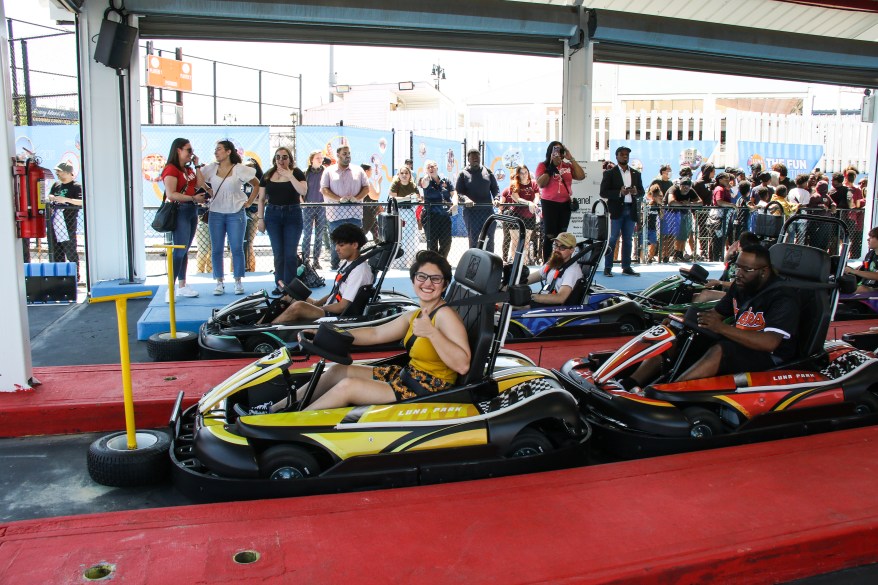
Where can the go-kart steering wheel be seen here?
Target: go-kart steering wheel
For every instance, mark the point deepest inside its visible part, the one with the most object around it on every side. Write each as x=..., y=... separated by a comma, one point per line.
x=306, y=342
x=690, y=320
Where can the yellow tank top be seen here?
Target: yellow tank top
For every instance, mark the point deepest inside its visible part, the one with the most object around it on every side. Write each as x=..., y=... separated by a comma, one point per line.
x=423, y=356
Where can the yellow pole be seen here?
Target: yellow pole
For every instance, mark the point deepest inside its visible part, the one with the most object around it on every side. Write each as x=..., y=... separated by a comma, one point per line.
x=171, y=301
x=124, y=357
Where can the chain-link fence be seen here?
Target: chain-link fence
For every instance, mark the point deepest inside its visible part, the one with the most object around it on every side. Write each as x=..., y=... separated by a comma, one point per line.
x=704, y=233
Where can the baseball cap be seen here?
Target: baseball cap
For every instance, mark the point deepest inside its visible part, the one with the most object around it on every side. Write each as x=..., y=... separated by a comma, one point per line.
x=566, y=239
x=64, y=167
x=621, y=148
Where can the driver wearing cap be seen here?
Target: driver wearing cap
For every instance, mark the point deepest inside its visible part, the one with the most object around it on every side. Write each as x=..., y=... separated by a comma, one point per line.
x=558, y=280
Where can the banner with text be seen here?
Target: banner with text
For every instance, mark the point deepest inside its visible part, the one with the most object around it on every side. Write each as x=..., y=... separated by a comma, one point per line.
x=448, y=154
x=372, y=147
x=648, y=156
x=797, y=158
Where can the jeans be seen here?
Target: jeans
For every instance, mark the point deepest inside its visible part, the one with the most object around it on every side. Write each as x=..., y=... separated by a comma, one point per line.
x=183, y=234
x=232, y=224
x=437, y=225
x=313, y=217
x=284, y=226
x=475, y=218
x=334, y=224
x=624, y=226
x=556, y=218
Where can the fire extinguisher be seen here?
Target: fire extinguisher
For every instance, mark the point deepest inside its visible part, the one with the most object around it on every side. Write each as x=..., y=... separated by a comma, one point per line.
x=30, y=200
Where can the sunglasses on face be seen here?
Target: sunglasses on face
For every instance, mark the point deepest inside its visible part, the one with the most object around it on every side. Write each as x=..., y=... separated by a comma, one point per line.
x=434, y=278
x=558, y=246
x=187, y=149
x=281, y=157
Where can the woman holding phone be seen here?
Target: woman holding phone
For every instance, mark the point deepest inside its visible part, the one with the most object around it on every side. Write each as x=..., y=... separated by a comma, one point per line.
x=555, y=177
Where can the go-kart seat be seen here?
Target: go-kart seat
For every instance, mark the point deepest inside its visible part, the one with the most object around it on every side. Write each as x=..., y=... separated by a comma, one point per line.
x=589, y=254
x=803, y=264
x=379, y=257
x=478, y=273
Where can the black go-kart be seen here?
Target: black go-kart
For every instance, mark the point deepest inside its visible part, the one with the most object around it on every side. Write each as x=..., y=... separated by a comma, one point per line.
x=591, y=310
x=244, y=327
x=505, y=416
x=829, y=385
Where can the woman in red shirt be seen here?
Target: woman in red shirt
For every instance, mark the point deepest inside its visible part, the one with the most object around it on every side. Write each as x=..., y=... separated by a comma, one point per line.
x=181, y=180
x=522, y=189
x=555, y=176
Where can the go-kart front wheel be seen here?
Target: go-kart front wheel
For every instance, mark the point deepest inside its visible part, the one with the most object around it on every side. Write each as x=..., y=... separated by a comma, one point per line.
x=287, y=462
x=261, y=344
x=529, y=442
x=705, y=424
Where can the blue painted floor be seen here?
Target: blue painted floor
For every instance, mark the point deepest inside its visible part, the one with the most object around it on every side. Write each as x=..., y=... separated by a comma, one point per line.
x=192, y=312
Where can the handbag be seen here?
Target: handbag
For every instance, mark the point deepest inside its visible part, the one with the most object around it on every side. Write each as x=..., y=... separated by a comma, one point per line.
x=166, y=217
x=574, y=205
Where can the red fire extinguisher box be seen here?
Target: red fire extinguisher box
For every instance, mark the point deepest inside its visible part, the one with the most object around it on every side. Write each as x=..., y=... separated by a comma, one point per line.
x=50, y=282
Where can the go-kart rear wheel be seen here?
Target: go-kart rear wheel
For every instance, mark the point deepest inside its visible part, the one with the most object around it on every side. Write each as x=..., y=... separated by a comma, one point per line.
x=529, y=442
x=630, y=324
x=866, y=404
x=705, y=424
x=261, y=344
x=287, y=462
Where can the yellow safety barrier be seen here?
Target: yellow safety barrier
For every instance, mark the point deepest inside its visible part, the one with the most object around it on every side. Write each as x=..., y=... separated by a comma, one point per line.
x=124, y=356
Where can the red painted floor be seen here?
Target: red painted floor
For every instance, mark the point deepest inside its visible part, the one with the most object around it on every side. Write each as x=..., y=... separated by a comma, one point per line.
x=761, y=513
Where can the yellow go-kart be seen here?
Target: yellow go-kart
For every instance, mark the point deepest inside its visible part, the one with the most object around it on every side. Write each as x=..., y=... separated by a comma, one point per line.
x=505, y=416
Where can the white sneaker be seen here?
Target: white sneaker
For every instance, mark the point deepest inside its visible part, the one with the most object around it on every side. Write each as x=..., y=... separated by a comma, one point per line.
x=187, y=291
x=239, y=288
x=220, y=289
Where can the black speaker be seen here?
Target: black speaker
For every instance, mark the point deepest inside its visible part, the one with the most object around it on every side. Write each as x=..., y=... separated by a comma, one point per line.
x=115, y=43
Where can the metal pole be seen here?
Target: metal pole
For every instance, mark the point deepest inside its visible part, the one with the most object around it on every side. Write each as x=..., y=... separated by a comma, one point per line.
x=14, y=71
x=179, y=113
x=300, y=104
x=214, y=93
x=26, y=71
x=260, y=99
x=150, y=92
x=126, y=174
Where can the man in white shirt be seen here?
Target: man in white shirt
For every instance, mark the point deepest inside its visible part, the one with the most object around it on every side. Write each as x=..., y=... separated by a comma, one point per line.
x=348, y=240
x=344, y=187
x=558, y=282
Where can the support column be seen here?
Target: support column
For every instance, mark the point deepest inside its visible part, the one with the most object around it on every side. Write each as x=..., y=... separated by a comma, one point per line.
x=16, y=369
x=577, y=125
x=871, y=215
x=102, y=172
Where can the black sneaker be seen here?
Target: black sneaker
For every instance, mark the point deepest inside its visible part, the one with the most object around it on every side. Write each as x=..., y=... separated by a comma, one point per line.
x=608, y=273
x=630, y=272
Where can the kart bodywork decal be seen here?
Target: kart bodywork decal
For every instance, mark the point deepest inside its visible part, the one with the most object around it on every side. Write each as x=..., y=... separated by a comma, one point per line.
x=349, y=444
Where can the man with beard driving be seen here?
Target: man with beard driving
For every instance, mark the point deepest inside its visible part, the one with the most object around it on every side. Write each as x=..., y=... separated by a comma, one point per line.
x=757, y=321
x=558, y=280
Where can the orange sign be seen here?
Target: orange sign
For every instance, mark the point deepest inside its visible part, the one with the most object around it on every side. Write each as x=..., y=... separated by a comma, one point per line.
x=168, y=73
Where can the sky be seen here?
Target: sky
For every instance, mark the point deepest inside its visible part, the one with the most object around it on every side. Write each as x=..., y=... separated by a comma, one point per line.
x=466, y=74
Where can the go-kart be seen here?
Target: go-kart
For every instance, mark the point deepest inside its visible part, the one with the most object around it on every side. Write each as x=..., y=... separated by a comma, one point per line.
x=675, y=294
x=243, y=328
x=504, y=416
x=828, y=385
x=591, y=310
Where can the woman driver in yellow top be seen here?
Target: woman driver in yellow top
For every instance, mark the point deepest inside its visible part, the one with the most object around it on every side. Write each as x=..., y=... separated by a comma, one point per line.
x=439, y=354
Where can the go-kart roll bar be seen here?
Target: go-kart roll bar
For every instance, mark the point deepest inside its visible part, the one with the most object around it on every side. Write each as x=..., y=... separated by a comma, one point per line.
x=393, y=209
x=514, y=276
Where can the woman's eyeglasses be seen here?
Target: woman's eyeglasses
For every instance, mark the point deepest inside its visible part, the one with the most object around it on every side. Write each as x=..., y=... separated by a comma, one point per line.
x=281, y=157
x=187, y=149
x=434, y=278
